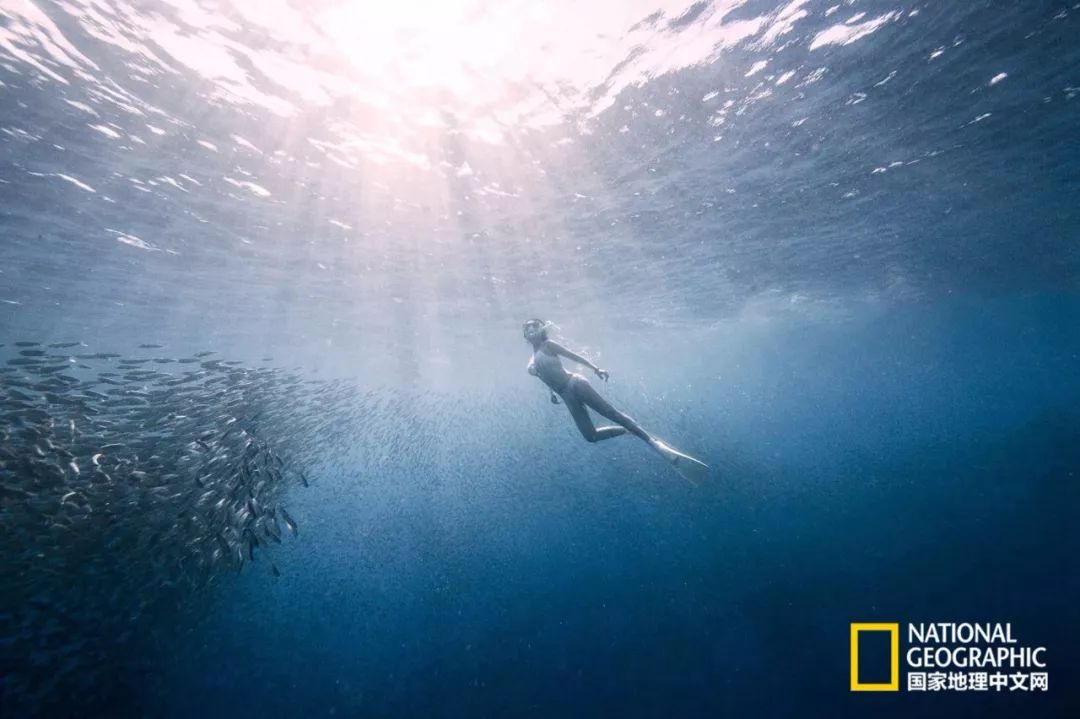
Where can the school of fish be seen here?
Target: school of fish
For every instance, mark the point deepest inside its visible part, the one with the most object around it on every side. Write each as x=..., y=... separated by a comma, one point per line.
x=127, y=484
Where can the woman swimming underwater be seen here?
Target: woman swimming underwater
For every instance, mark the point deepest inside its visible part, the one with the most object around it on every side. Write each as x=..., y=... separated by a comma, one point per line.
x=579, y=396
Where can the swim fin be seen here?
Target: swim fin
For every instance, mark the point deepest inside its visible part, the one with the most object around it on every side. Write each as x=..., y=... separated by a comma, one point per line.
x=692, y=469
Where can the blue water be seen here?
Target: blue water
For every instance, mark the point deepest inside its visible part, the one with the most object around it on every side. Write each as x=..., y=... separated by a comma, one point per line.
x=829, y=247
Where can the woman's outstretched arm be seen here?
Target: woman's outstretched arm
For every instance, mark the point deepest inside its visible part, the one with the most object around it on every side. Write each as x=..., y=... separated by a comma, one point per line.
x=556, y=348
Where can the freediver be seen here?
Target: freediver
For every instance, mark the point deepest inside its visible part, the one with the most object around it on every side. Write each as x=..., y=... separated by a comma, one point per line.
x=579, y=396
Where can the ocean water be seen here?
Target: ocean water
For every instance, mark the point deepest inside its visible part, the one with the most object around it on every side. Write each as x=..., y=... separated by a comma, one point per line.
x=831, y=248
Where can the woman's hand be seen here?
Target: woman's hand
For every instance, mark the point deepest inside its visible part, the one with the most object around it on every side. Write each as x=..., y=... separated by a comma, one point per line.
x=602, y=374
x=554, y=398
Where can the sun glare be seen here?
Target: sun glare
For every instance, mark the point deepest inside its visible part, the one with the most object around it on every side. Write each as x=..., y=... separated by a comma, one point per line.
x=456, y=46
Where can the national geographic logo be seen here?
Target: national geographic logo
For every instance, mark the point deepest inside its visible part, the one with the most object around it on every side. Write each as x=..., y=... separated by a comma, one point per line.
x=944, y=656
x=891, y=632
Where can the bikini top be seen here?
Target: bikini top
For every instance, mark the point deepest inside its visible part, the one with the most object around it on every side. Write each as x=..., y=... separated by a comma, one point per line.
x=544, y=363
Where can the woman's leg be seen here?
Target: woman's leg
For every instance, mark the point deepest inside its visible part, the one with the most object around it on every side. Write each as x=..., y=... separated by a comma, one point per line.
x=584, y=421
x=589, y=396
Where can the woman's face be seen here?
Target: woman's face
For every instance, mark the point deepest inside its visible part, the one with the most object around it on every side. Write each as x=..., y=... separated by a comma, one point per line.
x=532, y=331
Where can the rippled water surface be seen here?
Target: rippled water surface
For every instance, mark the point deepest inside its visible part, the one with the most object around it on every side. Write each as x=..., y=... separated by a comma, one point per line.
x=831, y=247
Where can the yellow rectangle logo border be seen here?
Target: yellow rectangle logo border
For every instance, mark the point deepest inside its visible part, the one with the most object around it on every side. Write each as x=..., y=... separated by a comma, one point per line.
x=894, y=663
